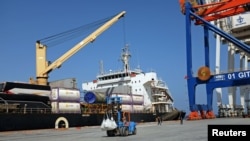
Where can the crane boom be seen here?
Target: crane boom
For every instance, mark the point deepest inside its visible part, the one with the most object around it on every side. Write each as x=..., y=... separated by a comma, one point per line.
x=43, y=68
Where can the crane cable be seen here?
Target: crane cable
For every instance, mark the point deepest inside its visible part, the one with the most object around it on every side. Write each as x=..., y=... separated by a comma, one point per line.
x=72, y=33
x=124, y=31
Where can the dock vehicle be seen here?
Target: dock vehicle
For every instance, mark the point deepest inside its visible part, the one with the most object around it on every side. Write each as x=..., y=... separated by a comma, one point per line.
x=124, y=126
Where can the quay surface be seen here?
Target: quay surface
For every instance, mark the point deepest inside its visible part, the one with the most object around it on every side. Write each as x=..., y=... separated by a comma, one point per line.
x=195, y=130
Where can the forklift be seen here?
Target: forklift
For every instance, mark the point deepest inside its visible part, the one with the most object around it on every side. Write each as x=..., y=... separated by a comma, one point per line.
x=124, y=127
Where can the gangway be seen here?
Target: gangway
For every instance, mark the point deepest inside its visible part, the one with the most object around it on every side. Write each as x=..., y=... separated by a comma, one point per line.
x=202, y=15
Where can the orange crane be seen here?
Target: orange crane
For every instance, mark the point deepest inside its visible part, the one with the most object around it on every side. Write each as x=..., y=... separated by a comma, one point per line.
x=217, y=10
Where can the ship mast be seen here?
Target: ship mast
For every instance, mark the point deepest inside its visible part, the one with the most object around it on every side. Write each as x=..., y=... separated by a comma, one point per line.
x=101, y=67
x=125, y=58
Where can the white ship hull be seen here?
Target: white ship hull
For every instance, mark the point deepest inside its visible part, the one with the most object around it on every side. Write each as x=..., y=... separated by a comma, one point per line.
x=143, y=90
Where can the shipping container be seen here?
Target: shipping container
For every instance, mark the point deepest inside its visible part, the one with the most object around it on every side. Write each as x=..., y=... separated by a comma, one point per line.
x=137, y=99
x=65, y=94
x=126, y=99
x=66, y=107
x=69, y=83
x=137, y=108
x=132, y=108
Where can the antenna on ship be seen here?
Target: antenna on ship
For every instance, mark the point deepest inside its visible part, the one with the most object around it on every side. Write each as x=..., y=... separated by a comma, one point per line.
x=125, y=57
x=101, y=67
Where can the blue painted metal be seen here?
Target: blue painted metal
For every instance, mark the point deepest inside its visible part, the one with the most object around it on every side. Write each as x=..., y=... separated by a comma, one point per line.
x=215, y=81
x=121, y=125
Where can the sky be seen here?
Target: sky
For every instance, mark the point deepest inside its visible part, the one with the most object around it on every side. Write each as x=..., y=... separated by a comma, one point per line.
x=154, y=31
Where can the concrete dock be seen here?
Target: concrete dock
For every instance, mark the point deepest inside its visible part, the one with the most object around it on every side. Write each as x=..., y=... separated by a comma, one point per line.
x=195, y=130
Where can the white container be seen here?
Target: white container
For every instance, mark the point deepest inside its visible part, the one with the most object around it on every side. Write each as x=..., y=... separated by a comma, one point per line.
x=137, y=99
x=132, y=108
x=126, y=108
x=241, y=21
x=126, y=99
x=64, y=94
x=130, y=99
x=66, y=107
x=138, y=108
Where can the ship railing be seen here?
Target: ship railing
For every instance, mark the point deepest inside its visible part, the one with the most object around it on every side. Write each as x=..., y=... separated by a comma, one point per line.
x=111, y=72
x=35, y=111
x=93, y=111
x=102, y=108
x=14, y=109
x=161, y=85
x=158, y=95
x=112, y=80
x=27, y=102
x=93, y=108
x=24, y=107
x=67, y=112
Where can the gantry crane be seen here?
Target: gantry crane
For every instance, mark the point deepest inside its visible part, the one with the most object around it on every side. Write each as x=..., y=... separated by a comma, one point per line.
x=43, y=67
x=202, y=14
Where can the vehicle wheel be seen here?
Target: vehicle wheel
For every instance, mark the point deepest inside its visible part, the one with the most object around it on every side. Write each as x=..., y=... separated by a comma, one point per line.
x=125, y=131
x=135, y=131
x=121, y=131
x=110, y=133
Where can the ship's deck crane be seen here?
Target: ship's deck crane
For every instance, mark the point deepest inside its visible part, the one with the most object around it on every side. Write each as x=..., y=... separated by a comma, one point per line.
x=203, y=14
x=43, y=68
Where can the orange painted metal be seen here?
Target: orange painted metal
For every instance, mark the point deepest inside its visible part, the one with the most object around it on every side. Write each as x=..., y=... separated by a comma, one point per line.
x=210, y=115
x=214, y=11
x=194, y=116
x=223, y=6
x=217, y=10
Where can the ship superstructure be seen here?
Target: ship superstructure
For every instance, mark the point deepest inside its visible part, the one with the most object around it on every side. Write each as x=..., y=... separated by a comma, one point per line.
x=143, y=89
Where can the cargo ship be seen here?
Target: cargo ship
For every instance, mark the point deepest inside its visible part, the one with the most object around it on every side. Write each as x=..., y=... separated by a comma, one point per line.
x=37, y=104
x=25, y=106
x=144, y=95
x=40, y=104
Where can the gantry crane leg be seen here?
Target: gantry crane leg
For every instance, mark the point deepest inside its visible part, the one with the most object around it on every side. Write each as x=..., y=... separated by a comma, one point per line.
x=204, y=75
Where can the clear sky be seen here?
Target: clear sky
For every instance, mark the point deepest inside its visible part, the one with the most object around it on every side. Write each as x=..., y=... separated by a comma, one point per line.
x=154, y=30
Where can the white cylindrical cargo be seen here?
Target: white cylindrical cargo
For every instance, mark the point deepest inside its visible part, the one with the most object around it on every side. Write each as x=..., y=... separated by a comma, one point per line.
x=65, y=94
x=138, y=108
x=66, y=107
x=126, y=99
x=126, y=108
x=132, y=108
x=137, y=99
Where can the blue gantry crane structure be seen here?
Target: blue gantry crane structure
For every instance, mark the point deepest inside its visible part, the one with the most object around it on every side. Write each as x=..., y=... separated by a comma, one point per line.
x=199, y=13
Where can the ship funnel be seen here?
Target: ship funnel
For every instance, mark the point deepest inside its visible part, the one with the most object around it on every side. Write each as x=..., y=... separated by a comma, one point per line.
x=94, y=97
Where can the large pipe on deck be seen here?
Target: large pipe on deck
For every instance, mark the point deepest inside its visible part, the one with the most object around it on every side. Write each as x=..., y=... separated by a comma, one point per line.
x=94, y=97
